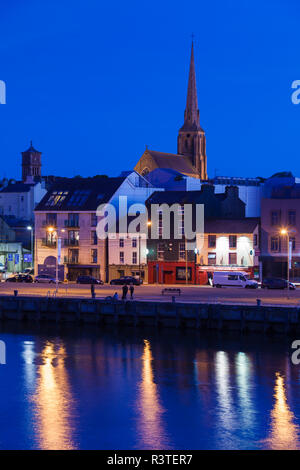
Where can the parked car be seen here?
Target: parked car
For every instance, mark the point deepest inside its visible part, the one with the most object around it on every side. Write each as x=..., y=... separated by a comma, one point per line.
x=126, y=280
x=29, y=271
x=20, y=278
x=88, y=280
x=45, y=278
x=233, y=279
x=276, y=283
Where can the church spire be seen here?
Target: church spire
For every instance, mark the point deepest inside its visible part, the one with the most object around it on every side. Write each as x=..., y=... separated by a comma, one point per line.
x=191, y=114
x=191, y=141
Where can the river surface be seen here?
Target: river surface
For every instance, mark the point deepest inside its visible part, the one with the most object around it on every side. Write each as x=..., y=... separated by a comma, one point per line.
x=81, y=388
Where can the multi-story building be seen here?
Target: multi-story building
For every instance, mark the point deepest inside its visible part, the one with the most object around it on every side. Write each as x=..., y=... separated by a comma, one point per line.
x=66, y=226
x=227, y=241
x=280, y=223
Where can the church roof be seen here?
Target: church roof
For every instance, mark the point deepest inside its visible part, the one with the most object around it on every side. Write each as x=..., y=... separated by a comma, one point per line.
x=179, y=163
x=31, y=149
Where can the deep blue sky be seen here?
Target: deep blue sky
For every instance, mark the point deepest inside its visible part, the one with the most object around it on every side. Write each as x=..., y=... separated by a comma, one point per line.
x=91, y=82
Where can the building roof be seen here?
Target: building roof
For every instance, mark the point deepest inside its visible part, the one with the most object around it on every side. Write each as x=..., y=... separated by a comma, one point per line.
x=14, y=222
x=245, y=225
x=82, y=194
x=18, y=187
x=178, y=163
x=31, y=149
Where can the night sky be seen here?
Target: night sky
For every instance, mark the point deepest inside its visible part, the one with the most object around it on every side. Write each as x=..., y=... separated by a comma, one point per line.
x=91, y=83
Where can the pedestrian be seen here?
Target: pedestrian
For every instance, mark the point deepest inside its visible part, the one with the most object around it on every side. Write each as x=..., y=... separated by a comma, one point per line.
x=115, y=296
x=125, y=290
x=131, y=288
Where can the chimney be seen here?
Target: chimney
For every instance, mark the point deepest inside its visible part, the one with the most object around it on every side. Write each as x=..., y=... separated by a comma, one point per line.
x=232, y=191
x=208, y=188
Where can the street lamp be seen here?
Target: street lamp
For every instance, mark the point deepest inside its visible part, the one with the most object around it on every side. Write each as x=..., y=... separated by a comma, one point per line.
x=29, y=227
x=285, y=232
x=58, y=247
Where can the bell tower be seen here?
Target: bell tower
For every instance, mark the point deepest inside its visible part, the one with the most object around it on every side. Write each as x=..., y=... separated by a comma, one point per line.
x=31, y=163
x=191, y=140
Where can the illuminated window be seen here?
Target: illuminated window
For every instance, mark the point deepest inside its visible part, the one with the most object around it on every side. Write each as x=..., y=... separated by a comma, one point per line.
x=57, y=198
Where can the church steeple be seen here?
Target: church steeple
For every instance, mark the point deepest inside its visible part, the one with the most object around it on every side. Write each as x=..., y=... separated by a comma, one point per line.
x=191, y=113
x=191, y=137
x=31, y=163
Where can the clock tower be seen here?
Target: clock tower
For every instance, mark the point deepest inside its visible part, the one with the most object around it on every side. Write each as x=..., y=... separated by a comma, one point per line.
x=31, y=163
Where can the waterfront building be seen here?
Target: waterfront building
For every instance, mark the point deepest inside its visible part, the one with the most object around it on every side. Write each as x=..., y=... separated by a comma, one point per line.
x=190, y=159
x=68, y=212
x=227, y=242
x=250, y=189
x=280, y=222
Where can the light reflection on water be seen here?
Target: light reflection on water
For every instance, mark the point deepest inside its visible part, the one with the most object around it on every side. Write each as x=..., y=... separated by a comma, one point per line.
x=130, y=390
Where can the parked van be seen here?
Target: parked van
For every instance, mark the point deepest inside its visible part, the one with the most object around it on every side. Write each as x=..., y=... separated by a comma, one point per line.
x=233, y=279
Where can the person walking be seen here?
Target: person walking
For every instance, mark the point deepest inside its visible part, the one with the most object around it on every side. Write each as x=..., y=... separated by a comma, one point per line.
x=125, y=290
x=131, y=288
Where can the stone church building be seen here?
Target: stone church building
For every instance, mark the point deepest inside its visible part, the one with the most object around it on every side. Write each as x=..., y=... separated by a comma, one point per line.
x=190, y=159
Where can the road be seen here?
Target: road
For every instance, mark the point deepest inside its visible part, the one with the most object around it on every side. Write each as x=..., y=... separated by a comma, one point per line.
x=201, y=294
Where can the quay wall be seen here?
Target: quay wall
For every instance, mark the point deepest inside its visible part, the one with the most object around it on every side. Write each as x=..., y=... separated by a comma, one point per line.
x=242, y=318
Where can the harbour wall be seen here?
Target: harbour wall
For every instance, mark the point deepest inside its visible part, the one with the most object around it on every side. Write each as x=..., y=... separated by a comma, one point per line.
x=243, y=318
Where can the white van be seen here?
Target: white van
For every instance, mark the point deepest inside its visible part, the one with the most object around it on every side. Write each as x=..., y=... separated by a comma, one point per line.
x=233, y=279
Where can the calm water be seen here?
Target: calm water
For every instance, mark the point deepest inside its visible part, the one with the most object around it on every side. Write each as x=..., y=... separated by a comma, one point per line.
x=133, y=389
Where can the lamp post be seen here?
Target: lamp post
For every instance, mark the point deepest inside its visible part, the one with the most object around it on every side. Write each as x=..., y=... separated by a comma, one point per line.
x=58, y=253
x=284, y=231
x=29, y=227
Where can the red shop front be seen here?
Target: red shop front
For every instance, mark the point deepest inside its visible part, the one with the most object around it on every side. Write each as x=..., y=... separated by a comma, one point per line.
x=163, y=272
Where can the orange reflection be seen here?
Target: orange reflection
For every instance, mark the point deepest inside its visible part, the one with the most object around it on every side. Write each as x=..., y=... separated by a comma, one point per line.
x=284, y=432
x=152, y=433
x=53, y=401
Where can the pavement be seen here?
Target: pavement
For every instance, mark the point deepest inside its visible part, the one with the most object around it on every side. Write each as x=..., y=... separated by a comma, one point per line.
x=192, y=294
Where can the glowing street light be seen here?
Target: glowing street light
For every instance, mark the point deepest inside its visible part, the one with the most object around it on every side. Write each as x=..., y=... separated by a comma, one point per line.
x=285, y=232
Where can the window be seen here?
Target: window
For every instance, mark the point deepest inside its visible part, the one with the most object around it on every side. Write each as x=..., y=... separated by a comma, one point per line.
x=93, y=220
x=73, y=256
x=181, y=250
x=121, y=257
x=73, y=237
x=94, y=256
x=51, y=220
x=211, y=241
x=212, y=259
x=79, y=197
x=232, y=241
x=121, y=242
x=160, y=251
x=56, y=198
x=275, y=217
x=293, y=242
x=160, y=223
x=233, y=277
x=73, y=220
x=292, y=217
x=134, y=243
x=255, y=239
x=181, y=220
x=275, y=244
x=94, y=238
x=181, y=273
x=232, y=258
x=134, y=257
